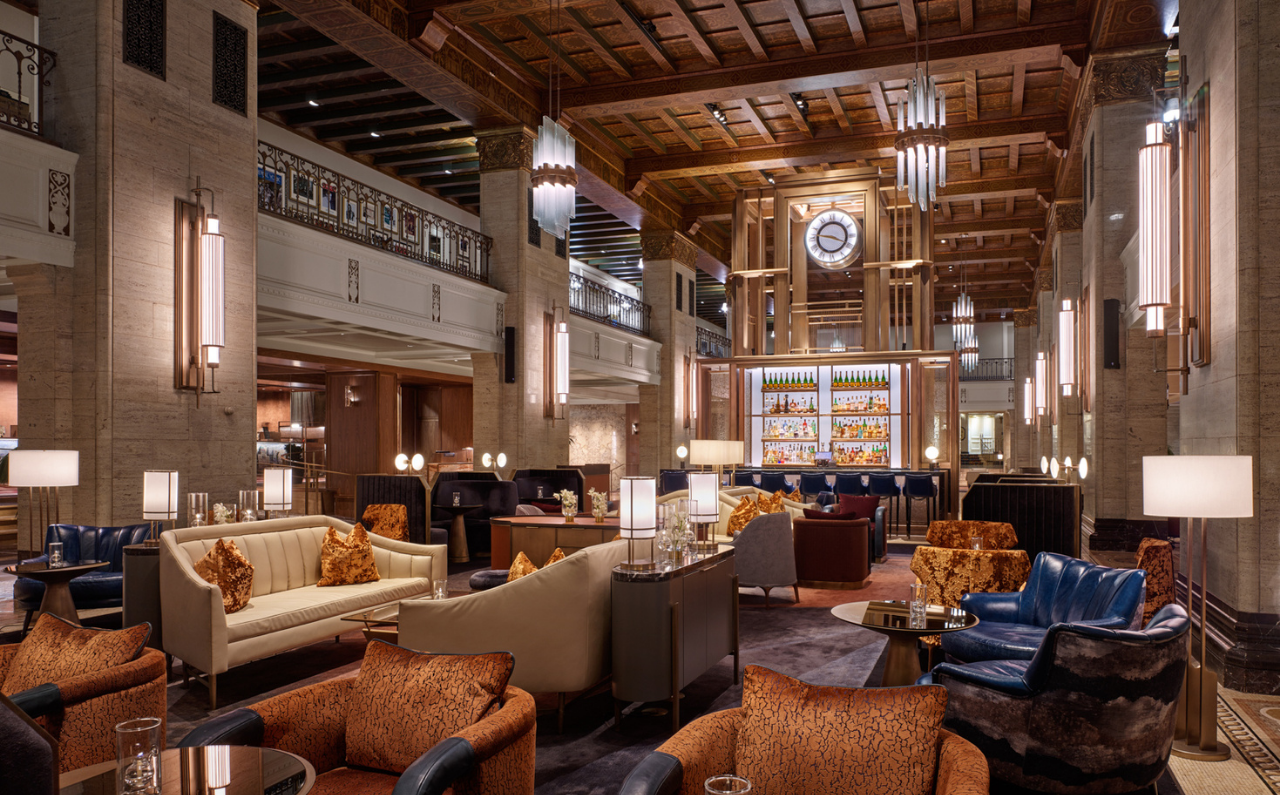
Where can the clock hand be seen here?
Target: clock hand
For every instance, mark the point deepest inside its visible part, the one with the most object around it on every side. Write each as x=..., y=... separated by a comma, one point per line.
x=831, y=237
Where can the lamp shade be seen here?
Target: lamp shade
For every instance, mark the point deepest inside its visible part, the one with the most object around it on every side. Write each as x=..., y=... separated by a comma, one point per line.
x=704, y=490
x=277, y=489
x=715, y=452
x=637, y=507
x=44, y=468
x=213, y=305
x=1198, y=486
x=159, y=495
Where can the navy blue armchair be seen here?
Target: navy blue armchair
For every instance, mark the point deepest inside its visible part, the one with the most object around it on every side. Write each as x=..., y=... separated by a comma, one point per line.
x=1093, y=710
x=1060, y=589
x=92, y=590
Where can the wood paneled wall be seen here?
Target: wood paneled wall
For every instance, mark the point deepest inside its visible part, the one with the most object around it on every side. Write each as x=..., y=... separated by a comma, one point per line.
x=273, y=408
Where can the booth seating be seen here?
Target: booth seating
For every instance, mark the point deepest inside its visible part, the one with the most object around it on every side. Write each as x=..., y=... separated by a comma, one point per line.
x=495, y=498
x=670, y=480
x=407, y=490
x=1046, y=512
x=537, y=485
x=1059, y=590
x=1092, y=711
x=95, y=589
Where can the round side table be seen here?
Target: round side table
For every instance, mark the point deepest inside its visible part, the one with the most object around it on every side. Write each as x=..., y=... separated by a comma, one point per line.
x=57, y=584
x=893, y=619
x=458, y=552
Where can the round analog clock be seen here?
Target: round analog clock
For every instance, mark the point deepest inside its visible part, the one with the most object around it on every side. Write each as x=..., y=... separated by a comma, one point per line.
x=834, y=239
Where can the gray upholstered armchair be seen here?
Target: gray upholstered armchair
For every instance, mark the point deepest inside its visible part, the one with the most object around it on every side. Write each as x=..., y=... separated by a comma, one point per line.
x=765, y=555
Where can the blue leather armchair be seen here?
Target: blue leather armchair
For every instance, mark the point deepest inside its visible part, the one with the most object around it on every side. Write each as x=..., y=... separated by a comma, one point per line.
x=95, y=589
x=1060, y=589
x=1092, y=711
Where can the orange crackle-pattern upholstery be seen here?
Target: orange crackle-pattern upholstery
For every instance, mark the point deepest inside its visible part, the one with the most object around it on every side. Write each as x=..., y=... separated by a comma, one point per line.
x=809, y=740
x=521, y=567
x=742, y=515
x=1155, y=557
x=57, y=649
x=225, y=566
x=952, y=573
x=402, y=686
x=388, y=521
x=504, y=747
x=771, y=504
x=347, y=561
x=955, y=534
x=310, y=722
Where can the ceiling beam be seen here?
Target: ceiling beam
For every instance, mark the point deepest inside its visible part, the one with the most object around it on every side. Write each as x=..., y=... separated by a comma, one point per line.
x=972, y=256
x=1014, y=150
x=719, y=129
x=739, y=17
x=354, y=67
x=423, y=156
x=1019, y=88
x=800, y=26
x=966, y=15
x=1024, y=12
x=840, y=148
x=642, y=36
x=855, y=22
x=796, y=114
x=513, y=58
x=430, y=121
x=971, y=94
x=400, y=107
x=297, y=50
x=681, y=131
x=756, y=120
x=908, y=9
x=882, y=110
x=836, y=105
x=583, y=27
x=995, y=50
x=407, y=143
x=302, y=99
x=647, y=138
x=571, y=66
x=685, y=21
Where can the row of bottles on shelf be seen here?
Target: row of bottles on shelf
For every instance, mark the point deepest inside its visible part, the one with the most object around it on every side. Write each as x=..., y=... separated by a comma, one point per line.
x=860, y=429
x=789, y=454
x=866, y=404
x=780, y=381
x=791, y=429
x=876, y=379
x=790, y=404
x=861, y=456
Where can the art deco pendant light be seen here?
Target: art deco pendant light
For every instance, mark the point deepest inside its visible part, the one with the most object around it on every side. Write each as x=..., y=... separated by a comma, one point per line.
x=554, y=158
x=922, y=137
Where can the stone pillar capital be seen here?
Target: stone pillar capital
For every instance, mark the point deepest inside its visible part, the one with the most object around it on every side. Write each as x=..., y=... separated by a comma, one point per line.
x=33, y=279
x=1025, y=318
x=668, y=244
x=1128, y=78
x=505, y=148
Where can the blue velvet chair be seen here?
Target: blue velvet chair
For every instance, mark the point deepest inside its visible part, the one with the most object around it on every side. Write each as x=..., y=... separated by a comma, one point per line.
x=850, y=484
x=813, y=484
x=885, y=486
x=920, y=486
x=1059, y=590
x=745, y=477
x=1092, y=711
x=92, y=590
x=670, y=480
x=775, y=481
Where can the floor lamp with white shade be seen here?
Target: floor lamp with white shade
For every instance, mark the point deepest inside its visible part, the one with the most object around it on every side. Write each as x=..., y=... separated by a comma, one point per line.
x=1204, y=487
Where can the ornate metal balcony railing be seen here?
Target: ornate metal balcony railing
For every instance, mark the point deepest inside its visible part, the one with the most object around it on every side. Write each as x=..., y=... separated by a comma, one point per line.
x=989, y=370
x=597, y=302
x=308, y=193
x=22, y=101
x=713, y=345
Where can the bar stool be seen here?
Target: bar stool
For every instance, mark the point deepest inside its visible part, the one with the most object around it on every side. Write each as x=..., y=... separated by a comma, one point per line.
x=813, y=484
x=670, y=480
x=885, y=486
x=744, y=478
x=919, y=486
x=775, y=481
x=850, y=484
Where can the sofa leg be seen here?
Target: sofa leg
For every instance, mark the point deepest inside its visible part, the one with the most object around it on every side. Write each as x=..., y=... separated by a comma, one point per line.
x=26, y=623
x=213, y=692
x=766, y=598
x=796, y=587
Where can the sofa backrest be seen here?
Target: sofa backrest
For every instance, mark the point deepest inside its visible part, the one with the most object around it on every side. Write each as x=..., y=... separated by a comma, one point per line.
x=87, y=542
x=1062, y=589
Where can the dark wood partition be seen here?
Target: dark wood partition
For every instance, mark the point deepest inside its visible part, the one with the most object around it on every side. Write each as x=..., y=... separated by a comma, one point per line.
x=1046, y=516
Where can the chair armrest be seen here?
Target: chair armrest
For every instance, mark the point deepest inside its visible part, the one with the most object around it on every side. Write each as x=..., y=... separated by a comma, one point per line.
x=191, y=612
x=149, y=667
x=706, y=746
x=403, y=566
x=239, y=727
x=41, y=559
x=1111, y=622
x=658, y=774
x=494, y=754
x=517, y=716
x=962, y=769
x=434, y=772
x=999, y=607
x=1005, y=676
x=38, y=701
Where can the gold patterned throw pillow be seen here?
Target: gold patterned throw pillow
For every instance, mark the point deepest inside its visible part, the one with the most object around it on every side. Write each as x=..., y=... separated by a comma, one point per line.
x=57, y=650
x=388, y=521
x=742, y=515
x=225, y=566
x=521, y=567
x=556, y=557
x=347, y=561
x=771, y=504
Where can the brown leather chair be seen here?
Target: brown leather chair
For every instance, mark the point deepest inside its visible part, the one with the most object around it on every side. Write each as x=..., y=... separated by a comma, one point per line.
x=831, y=553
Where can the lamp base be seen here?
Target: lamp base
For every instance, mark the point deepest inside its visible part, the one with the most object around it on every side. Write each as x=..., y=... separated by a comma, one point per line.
x=638, y=565
x=1183, y=750
x=1197, y=738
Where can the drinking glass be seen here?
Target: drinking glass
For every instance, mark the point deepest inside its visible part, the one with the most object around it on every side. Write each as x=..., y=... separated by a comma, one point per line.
x=457, y=499
x=197, y=509
x=440, y=590
x=919, y=603
x=138, y=757
x=727, y=785
x=975, y=543
x=55, y=554
x=250, y=505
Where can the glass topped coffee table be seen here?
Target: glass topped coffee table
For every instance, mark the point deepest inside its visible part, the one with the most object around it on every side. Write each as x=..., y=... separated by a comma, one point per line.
x=893, y=619
x=382, y=623
x=245, y=769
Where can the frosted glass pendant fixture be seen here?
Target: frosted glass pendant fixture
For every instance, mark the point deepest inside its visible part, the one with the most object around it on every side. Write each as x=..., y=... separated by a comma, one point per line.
x=554, y=178
x=922, y=140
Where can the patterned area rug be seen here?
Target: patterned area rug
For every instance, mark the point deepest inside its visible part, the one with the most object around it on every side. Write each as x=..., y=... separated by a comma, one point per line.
x=1252, y=725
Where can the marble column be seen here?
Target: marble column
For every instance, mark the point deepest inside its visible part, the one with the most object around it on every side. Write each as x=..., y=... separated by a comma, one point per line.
x=665, y=418
x=513, y=417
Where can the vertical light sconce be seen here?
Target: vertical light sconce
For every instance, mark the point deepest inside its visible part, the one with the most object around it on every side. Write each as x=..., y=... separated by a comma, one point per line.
x=277, y=490
x=200, y=305
x=1042, y=386
x=1028, y=401
x=1153, y=228
x=555, y=374
x=159, y=499
x=349, y=396
x=562, y=360
x=1067, y=347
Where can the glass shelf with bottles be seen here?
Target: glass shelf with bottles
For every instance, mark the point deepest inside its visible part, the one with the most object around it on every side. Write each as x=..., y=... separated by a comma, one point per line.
x=789, y=381
x=793, y=430
x=859, y=405
x=859, y=453
x=787, y=403
x=789, y=453
x=860, y=430
x=860, y=380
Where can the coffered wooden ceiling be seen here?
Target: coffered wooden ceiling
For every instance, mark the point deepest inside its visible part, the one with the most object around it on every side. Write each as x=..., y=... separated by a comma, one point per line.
x=679, y=104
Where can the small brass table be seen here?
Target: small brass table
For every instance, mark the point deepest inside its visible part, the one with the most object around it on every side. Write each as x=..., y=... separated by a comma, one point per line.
x=458, y=552
x=893, y=619
x=381, y=623
x=57, y=584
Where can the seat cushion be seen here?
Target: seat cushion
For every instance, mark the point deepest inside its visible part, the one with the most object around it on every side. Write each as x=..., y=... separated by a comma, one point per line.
x=93, y=589
x=992, y=640
x=226, y=567
x=419, y=699
x=278, y=611
x=346, y=781
x=347, y=561
x=57, y=649
x=807, y=739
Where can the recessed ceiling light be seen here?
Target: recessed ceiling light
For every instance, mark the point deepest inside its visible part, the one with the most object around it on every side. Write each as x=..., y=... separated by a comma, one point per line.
x=1116, y=217
x=313, y=103
x=375, y=135
x=447, y=171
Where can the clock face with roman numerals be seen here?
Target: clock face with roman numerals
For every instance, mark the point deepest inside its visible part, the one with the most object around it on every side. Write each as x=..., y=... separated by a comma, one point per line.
x=834, y=239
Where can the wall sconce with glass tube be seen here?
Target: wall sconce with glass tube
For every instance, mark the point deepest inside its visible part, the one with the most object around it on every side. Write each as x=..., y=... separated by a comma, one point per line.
x=1042, y=384
x=1067, y=347
x=1153, y=228
x=556, y=362
x=200, y=313
x=1028, y=401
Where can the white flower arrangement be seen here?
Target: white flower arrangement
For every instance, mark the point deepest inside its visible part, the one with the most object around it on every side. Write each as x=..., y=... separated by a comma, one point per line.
x=568, y=500
x=223, y=514
x=599, y=503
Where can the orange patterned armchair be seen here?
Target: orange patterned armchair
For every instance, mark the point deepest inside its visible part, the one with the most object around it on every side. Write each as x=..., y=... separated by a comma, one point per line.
x=78, y=683
x=409, y=721
x=849, y=740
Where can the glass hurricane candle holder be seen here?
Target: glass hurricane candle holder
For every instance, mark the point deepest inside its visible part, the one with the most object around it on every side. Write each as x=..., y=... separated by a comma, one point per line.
x=197, y=509
x=250, y=505
x=727, y=785
x=138, y=757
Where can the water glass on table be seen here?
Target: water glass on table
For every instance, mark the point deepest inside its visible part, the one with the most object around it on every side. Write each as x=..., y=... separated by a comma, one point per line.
x=440, y=590
x=138, y=757
x=727, y=785
x=919, y=603
x=975, y=543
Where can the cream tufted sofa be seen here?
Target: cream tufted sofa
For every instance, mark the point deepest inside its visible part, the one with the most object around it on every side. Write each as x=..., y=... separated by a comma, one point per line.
x=729, y=499
x=287, y=609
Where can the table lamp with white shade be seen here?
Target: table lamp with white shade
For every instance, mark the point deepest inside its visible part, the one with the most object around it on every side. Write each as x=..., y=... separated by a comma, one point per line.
x=637, y=517
x=277, y=490
x=718, y=453
x=38, y=471
x=1204, y=487
x=704, y=497
x=159, y=500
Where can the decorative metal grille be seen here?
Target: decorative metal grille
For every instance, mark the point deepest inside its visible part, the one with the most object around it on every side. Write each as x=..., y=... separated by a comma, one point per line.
x=693, y=299
x=144, y=35
x=712, y=345
x=679, y=293
x=597, y=302
x=562, y=246
x=230, y=64
x=989, y=370
x=535, y=232
x=295, y=188
x=22, y=107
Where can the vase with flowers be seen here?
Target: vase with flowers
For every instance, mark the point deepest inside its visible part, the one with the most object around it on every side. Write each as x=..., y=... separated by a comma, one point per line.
x=568, y=504
x=599, y=505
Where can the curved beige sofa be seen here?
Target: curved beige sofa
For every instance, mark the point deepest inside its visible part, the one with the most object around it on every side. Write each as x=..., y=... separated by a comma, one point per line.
x=556, y=622
x=287, y=608
x=729, y=499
